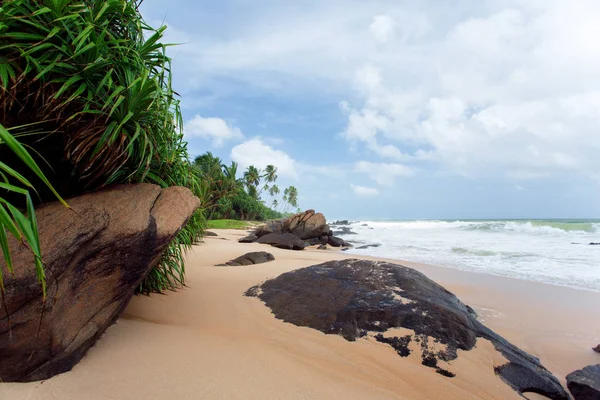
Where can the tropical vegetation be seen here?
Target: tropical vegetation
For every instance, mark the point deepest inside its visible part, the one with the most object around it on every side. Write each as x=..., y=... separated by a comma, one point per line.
x=230, y=197
x=86, y=101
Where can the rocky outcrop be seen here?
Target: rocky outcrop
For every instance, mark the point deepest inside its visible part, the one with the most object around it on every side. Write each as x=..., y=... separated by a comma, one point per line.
x=308, y=227
x=355, y=298
x=256, y=257
x=96, y=254
x=584, y=384
x=283, y=241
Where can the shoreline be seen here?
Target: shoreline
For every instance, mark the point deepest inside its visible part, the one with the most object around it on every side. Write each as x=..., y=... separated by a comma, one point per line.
x=456, y=268
x=208, y=341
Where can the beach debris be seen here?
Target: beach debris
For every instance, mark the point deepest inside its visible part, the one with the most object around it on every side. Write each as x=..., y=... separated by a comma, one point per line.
x=357, y=298
x=283, y=241
x=251, y=238
x=96, y=255
x=209, y=233
x=584, y=384
x=322, y=247
x=256, y=257
x=596, y=349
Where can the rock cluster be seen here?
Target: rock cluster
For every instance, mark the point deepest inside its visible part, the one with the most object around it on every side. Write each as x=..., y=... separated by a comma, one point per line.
x=296, y=232
x=354, y=298
x=95, y=254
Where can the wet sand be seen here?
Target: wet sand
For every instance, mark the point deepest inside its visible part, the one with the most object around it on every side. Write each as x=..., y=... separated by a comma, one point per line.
x=208, y=341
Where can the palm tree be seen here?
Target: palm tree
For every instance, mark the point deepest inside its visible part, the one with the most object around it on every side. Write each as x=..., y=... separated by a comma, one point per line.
x=270, y=173
x=207, y=162
x=292, y=197
x=252, y=179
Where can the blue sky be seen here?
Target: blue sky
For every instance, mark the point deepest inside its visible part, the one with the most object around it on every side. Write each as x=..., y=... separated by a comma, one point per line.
x=398, y=109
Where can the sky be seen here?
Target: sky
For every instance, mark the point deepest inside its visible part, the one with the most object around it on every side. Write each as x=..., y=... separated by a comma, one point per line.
x=398, y=109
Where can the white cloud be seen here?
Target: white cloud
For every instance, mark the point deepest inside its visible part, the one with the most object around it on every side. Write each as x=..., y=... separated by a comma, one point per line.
x=256, y=152
x=364, y=191
x=502, y=89
x=382, y=27
x=384, y=173
x=215, y=129
x=505, y=94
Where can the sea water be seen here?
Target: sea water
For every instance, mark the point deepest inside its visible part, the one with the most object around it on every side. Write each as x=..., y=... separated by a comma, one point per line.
x=553, y=251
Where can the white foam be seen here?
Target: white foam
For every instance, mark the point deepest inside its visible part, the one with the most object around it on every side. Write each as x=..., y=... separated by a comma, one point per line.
x=533, y=250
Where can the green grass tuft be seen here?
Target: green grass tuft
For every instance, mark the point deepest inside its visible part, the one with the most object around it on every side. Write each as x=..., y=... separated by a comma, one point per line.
x=228, y=224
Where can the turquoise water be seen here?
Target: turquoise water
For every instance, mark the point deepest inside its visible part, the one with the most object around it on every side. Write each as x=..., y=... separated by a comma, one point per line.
x=549, y=251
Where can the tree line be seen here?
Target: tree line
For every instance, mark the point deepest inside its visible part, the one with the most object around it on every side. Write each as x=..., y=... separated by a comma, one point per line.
x=253, y=196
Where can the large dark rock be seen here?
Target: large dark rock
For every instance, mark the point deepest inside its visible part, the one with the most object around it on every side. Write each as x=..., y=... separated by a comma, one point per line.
x=354, y=298
x=273, y=226
x=96, y=254
x=251, y=238
x=283, y=241
x=584, y=384
x=338, y=242
x=256, y=257
x=209, y=233
x=312, y=242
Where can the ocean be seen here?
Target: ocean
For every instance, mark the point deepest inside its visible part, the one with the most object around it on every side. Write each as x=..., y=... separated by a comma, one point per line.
x=549, y=251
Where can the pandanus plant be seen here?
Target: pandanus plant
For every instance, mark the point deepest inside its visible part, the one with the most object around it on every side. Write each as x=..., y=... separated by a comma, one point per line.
x=85, y=87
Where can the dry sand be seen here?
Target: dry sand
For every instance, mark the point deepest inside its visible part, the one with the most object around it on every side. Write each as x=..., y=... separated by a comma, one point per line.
x=208, y=341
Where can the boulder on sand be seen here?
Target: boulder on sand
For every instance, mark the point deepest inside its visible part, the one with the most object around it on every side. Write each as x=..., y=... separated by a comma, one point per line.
x=306, y=225
x=355, y=298
x=96, y=254
x=338, y=242
x=256, y=257
x=251, y=238
x=584, y=384
x=283, y=241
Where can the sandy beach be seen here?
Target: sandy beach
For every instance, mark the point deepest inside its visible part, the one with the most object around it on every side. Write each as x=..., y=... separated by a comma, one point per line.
x=208, y=341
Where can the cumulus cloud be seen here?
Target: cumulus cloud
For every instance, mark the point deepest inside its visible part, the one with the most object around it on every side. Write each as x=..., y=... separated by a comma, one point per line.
x=384, y=174
x=382, y=27
x=214, y=129
x=503, y=89
x=504, y=94
x=256, y=152
x=364, y=191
